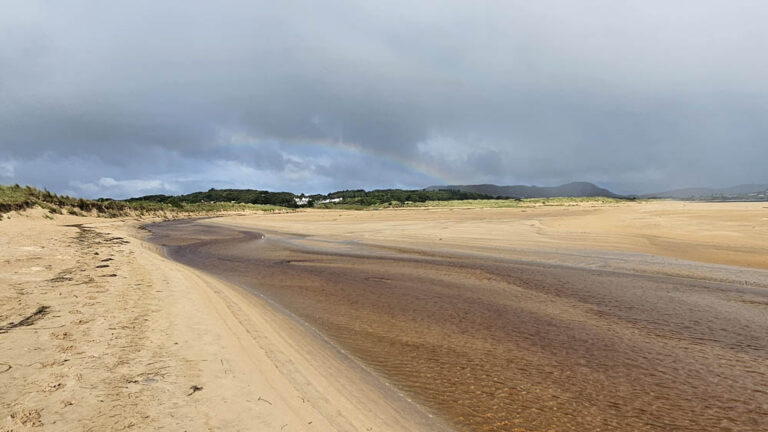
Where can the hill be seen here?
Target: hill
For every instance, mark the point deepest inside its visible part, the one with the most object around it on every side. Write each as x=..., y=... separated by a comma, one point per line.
x=575, y=189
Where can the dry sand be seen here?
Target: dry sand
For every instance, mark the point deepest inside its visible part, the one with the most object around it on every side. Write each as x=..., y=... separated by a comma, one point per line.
x=124, y=346
x=721, y=233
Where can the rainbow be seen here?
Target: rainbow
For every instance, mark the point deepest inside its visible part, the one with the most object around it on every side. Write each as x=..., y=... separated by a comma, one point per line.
x=436, y=174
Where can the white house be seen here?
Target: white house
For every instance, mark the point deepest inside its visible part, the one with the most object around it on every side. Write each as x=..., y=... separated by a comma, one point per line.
x=332, y=200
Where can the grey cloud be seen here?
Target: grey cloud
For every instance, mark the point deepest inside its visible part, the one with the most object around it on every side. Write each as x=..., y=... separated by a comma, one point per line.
x=292, y=168
x=7, y=170
x=638, y=95
x=344, y=171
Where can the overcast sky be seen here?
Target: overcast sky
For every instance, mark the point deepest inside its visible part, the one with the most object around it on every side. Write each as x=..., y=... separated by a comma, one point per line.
x=128, y=98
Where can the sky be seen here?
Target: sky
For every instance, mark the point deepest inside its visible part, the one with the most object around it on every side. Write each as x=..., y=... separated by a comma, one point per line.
x=124, y=99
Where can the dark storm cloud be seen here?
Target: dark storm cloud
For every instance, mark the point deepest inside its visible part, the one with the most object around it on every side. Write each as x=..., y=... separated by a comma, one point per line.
x=169, y=96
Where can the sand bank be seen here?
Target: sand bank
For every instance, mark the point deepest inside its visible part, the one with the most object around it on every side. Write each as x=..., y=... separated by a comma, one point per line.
x=734, y=234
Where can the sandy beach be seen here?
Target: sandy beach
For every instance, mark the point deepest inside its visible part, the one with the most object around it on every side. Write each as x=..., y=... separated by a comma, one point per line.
x=504, y=216
x=638, y=316
x=128, y=340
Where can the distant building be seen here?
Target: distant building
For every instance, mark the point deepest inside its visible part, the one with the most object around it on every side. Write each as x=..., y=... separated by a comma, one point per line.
x=332, y=200
x=301, y=201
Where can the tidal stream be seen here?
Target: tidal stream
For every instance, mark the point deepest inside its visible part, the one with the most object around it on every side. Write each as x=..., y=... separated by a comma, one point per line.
x=504, y=345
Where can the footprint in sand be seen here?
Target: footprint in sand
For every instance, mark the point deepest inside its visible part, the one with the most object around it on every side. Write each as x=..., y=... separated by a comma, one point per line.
x=65, y=348
x=52, y=387
x=52, y=363
x=61, y=335
x=27, y=417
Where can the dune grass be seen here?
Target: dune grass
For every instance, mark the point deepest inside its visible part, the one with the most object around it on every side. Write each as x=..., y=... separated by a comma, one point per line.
x=17, y=198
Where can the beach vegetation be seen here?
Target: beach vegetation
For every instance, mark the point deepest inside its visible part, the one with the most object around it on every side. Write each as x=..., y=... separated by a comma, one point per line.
x=18, y=198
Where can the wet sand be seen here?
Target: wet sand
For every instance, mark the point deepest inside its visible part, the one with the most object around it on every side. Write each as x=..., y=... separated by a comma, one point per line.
x=495, y=342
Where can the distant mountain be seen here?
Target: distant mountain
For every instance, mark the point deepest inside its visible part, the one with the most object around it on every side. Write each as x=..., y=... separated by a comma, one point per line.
x=750, y=192
x=576, y=189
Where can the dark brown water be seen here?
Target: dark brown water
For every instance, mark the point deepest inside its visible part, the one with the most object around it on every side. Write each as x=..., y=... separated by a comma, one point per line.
x=500, y=345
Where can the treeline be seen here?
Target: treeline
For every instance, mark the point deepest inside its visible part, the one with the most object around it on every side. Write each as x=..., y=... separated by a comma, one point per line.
x=390, y=196
x=17, y=197
x=239, y=196
x=358, y=197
